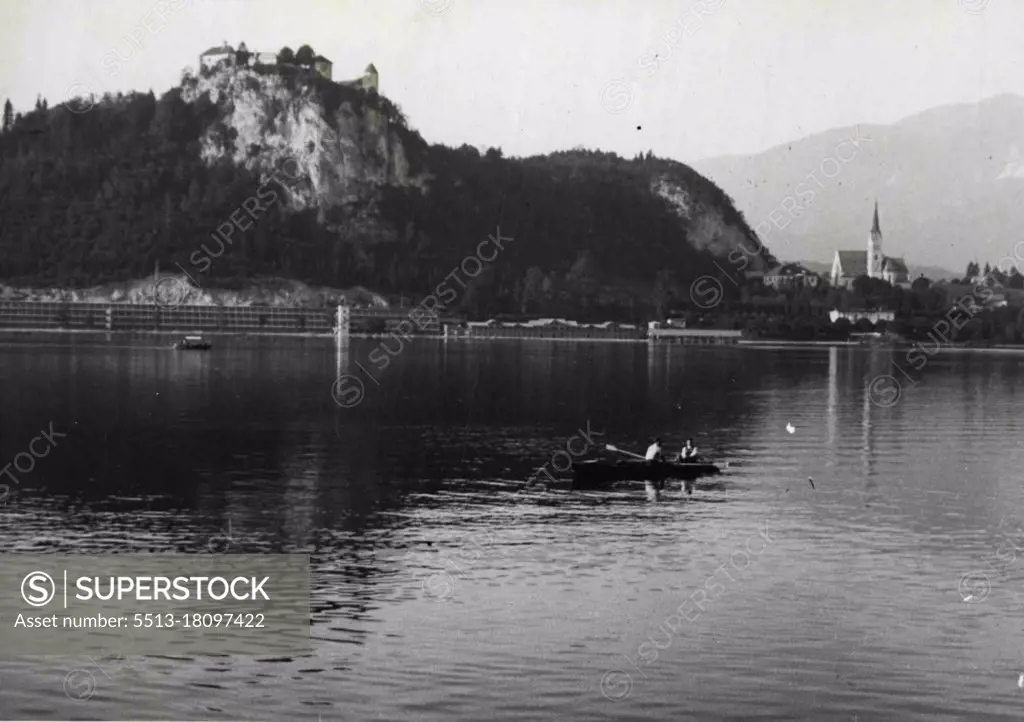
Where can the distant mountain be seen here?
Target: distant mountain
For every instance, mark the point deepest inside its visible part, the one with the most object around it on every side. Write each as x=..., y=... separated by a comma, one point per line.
x=949, y=184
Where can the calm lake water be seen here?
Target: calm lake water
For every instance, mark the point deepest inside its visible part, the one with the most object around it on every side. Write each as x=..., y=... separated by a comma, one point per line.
x=437, y=596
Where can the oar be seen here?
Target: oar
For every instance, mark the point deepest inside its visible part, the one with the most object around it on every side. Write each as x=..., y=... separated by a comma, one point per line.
x=623, y=451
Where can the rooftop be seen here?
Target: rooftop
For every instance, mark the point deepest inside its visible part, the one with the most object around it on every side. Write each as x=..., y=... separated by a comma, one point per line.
x=896, y=265
x=220, y=50
x=855, y=263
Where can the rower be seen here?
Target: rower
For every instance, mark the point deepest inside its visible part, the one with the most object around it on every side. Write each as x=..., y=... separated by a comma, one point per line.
x=654, y=451
x=689, y=452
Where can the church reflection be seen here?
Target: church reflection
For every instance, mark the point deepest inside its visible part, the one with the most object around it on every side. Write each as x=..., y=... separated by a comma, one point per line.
x=831, y=422
x=879, y=362
x=843, y=367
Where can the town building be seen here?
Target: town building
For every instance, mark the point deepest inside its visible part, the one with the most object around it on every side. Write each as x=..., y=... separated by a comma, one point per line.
x=874, y=316
x=790, y=275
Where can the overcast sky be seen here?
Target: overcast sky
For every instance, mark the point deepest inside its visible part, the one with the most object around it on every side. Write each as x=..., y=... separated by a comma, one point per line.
x=731, y=76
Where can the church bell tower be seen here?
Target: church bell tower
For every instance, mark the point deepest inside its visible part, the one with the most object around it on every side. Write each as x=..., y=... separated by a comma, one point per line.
x=875, y=256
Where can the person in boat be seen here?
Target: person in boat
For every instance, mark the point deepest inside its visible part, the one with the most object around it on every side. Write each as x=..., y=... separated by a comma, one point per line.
x=654, y=451
x=689, y=452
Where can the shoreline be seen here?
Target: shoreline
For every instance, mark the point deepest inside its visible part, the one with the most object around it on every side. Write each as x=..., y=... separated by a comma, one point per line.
x=299, y=334
x=795, y=344
x=765, y=345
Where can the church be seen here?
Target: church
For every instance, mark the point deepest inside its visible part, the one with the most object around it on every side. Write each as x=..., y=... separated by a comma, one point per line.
x=847, y=265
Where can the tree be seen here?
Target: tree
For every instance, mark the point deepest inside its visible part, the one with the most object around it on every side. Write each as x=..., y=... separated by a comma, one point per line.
x=972, y=270
x=533, y=288
x=662, y=294
x=286, y=56
x=920, y=284
x=861, y=286
x=305, y=56
x=479, y=296
x=8, y=118
x=242, y=55
x=988, y=269
x=584, y=278
x=1016, y=280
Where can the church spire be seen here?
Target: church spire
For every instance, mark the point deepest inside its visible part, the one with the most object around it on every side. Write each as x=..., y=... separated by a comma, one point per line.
x=876, y=260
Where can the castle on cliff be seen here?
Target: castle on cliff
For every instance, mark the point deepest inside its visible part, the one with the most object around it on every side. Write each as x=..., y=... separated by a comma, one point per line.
x=224, y=56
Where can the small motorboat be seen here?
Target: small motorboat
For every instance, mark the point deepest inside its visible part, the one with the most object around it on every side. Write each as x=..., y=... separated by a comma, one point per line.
x=192, y=343
x=596, y=473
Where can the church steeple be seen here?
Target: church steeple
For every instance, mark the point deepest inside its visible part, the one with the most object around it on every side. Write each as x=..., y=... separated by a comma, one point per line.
x=876, y=260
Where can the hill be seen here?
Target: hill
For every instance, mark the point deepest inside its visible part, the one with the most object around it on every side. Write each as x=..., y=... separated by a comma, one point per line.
x=949, y=183
x=250, y=172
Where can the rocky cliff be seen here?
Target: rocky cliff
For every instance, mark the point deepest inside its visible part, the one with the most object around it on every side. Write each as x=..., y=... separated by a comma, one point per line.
x=340, y=144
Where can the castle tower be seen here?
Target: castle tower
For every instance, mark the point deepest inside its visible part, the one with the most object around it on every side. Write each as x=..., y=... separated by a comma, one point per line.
x=875, y=256
x=370, y=78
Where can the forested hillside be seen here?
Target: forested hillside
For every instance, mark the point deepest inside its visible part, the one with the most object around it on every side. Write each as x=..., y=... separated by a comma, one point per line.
x=90, y=195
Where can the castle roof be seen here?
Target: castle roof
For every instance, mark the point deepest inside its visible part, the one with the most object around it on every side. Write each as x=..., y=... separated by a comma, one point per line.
x=875, y=228
x=371, y=69
x=853, y=263
x=218, y=50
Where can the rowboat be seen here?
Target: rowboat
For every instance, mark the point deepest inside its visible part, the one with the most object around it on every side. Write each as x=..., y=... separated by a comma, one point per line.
x=597, y=473
x=192, y=343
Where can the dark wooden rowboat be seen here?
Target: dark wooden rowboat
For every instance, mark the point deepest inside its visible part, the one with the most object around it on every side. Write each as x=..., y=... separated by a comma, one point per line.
x=192, y=343
x=596, y=473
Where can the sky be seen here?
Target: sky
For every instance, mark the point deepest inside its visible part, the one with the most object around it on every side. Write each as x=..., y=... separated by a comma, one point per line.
x=687, y=79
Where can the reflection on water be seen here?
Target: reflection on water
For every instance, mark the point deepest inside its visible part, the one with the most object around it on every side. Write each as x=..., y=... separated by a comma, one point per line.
x=438, y=592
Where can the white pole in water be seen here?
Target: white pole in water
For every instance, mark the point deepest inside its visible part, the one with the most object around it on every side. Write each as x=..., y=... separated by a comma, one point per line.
x=342, y=321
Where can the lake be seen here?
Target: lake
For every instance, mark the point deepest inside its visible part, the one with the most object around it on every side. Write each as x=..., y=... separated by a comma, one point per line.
x=856, y=559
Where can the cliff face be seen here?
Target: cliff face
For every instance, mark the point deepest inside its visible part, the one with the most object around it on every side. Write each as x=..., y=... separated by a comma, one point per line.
x=708, y=228
x=337, y=159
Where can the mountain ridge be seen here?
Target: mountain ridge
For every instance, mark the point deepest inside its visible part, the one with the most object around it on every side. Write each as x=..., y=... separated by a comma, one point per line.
x=946, y=179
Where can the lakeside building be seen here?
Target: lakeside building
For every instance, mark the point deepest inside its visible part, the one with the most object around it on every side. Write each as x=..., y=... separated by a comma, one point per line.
x=848, y=265
x=874, y=316
x=691, y=336
x=552, y=328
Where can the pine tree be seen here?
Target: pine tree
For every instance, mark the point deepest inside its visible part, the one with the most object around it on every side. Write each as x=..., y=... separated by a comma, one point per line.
x=8, y=117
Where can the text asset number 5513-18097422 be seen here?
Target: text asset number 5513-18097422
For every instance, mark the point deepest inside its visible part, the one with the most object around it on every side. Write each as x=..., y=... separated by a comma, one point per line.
x=195, y=620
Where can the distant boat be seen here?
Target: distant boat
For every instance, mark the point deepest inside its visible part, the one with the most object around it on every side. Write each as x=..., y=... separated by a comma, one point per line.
x=192, y=343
